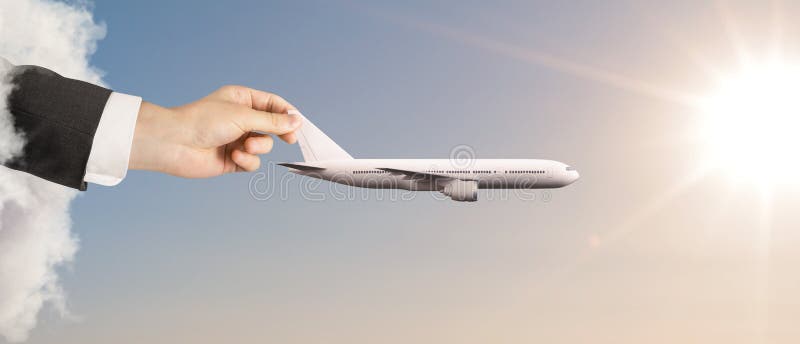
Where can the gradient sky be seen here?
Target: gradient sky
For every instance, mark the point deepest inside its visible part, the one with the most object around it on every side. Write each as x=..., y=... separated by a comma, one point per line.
x=636, y=251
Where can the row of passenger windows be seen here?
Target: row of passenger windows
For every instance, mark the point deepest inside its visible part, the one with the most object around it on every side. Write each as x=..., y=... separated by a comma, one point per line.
x=455, y=171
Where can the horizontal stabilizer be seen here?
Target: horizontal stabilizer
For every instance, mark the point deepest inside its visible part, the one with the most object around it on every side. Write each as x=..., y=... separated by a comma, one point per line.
x=301, y=167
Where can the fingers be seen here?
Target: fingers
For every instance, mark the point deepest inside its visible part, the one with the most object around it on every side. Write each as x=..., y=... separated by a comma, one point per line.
x=245, y=161
x=258, y=144
x=261, y=101
x=255, y=99
x=265, y=101
x=269, y=102
x=267, y=122
x=246, y=156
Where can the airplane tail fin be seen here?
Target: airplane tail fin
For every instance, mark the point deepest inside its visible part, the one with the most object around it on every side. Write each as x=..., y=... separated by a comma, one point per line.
x=315, y=145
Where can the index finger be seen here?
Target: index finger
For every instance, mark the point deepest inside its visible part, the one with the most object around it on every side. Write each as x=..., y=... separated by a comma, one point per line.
x=270, y=102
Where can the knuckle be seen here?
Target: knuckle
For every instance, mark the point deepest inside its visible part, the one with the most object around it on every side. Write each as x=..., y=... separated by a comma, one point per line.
x=276, y=121
x=270, y=101
x=233, y=92
x=226, y=89
x=273, y=102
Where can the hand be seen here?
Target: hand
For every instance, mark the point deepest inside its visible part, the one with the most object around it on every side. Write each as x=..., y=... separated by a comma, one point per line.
x=212, y=136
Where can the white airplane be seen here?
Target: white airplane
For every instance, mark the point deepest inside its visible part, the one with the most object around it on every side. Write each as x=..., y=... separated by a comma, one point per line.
x=458, y=179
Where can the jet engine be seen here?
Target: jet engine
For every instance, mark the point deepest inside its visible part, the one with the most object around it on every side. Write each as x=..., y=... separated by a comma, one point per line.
x=462, y=190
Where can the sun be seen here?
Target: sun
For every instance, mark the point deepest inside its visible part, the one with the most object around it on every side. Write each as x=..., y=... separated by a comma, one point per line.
x=751, y=124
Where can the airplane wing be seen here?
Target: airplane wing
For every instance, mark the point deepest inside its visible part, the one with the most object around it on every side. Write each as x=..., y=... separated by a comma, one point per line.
x=301, y=167
x=417, y=175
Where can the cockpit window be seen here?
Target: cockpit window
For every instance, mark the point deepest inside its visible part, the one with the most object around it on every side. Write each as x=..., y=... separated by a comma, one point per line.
x=570, y=168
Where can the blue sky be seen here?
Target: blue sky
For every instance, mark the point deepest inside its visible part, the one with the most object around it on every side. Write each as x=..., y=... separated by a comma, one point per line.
x=620, y=256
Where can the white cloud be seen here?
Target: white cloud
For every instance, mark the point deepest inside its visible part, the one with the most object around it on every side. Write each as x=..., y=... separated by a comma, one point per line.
x=11, y=142
x=35, y=237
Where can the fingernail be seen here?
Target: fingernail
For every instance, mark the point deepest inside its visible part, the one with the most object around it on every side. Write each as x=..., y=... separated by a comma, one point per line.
x=294, y=121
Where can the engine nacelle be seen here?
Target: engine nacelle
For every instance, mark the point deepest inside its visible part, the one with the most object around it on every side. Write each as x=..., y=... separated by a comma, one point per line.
x=462, y=190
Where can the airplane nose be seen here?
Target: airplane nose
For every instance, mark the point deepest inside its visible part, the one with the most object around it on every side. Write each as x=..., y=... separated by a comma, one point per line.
x=572, y=175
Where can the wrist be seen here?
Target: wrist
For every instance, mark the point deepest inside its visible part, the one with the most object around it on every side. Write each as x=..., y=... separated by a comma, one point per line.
x=149, y=144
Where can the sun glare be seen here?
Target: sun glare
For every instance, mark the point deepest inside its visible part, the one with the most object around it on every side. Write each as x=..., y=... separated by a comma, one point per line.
x=752, y=124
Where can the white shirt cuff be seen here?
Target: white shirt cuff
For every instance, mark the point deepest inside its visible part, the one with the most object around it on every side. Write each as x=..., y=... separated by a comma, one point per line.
x=111, y=148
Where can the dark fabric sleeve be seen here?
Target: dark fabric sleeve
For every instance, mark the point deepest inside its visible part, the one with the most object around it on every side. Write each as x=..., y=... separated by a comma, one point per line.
x=58, y=118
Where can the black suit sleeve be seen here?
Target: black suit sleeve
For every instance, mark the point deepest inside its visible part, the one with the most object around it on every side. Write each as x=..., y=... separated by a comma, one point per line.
x=58, y=118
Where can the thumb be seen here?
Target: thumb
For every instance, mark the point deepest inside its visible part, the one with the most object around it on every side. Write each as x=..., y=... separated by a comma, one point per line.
x=267, y=122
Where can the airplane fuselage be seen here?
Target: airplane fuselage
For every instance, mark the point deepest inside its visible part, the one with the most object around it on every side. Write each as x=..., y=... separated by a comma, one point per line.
x=434, y=174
